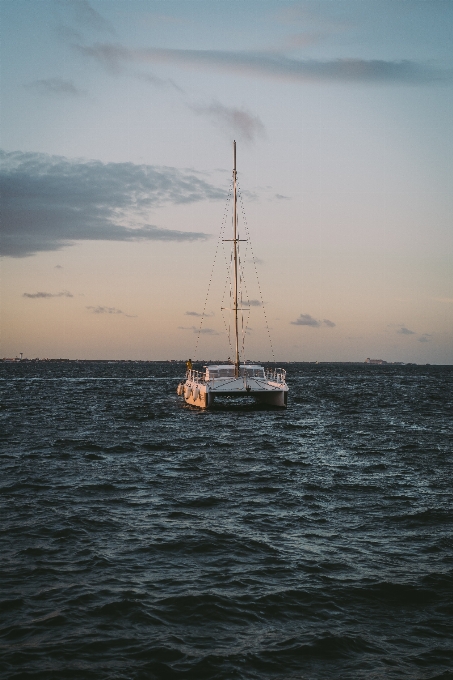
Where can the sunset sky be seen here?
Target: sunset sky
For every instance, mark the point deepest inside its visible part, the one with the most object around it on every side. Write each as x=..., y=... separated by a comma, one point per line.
x=117, y=123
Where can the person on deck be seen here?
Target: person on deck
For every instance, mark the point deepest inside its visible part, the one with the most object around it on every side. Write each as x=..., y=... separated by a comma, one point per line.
x=189, y=365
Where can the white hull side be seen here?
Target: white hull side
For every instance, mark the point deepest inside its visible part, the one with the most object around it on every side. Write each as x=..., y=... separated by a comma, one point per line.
x=201, y=399
x=204, y=395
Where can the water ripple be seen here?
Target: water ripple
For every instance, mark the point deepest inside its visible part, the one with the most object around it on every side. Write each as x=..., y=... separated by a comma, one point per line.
x=143, y=539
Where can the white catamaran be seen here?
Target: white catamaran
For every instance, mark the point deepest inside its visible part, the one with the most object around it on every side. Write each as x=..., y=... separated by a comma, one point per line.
x=202, y=388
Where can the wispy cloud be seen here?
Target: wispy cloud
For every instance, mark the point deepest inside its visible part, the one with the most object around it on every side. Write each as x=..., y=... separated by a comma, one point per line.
x=49, y=202
x=152, y=79
x=63, y=293
x=109, y=310
x=77, y=19
x=114, y=58
x=251, y=303
x=55, y=87
x=235, y=122
x=200, y=315
x=273, y=65
x=194, y=329
x=116, y=61
x=281, y=197
x=405, y=331
x=425, y=337
x=308, y=320
x=87, y=17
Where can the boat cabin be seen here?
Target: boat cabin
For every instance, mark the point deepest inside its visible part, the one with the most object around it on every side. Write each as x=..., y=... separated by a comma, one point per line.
x=227, y=371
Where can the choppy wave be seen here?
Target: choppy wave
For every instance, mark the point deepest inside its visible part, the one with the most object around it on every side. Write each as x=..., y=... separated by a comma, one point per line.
x=141, y=538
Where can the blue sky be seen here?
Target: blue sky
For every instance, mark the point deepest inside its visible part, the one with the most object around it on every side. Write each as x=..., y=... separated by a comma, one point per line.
x=117, y=125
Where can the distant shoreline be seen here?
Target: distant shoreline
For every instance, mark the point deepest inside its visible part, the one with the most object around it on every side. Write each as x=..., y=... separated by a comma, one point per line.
x=208, y=361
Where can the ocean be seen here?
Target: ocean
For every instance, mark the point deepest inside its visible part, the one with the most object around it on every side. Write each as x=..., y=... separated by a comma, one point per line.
x=142, y=538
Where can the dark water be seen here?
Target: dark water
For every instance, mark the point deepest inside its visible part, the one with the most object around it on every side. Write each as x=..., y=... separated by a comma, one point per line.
x=143, y=539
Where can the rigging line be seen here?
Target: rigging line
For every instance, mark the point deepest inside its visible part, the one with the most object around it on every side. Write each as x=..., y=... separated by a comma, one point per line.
x=227, y=329
x=230, y=268
x=243, y=281
x=245, y=332
x=243, y=290
x=219, y=240
x=244, y=317
x=227, y=280
x=243, y=343
x=249, y=242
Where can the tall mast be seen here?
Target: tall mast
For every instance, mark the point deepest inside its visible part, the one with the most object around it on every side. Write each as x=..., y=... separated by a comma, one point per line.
x=235, y=245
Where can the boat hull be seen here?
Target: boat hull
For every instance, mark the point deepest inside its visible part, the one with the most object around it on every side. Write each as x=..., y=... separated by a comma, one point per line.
x=204, y=396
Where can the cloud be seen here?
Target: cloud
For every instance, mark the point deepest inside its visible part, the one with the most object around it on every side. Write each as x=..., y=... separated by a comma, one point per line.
x=405, y=331
x=198, y=314
x=55, y=87
x=115, y=59
x=112, y=57
x=109, y=310
x=48, y=202
x=152, y=79
x=306, y=320
x=58, y=266
x=425, y=337
x=194, y=329
x=281, y=197
x=235, y=122
x=87, y=17
x=76, y=18
x=251, y=303
x=64, y=293
x=272, y=64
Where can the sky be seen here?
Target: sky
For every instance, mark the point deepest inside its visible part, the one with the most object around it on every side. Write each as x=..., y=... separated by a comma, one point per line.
x=117, y=124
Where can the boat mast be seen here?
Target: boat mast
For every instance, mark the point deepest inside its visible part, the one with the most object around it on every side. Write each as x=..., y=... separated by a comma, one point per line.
x=235, y=245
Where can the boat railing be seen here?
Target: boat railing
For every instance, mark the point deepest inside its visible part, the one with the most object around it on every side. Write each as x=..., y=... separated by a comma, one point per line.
x=277, y=375
x=196, y=376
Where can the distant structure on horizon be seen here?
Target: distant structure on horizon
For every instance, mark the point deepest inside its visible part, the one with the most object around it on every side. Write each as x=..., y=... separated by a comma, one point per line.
x=381, y=362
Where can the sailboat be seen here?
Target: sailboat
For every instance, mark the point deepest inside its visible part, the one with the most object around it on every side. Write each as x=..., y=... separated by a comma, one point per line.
x=233, y=380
